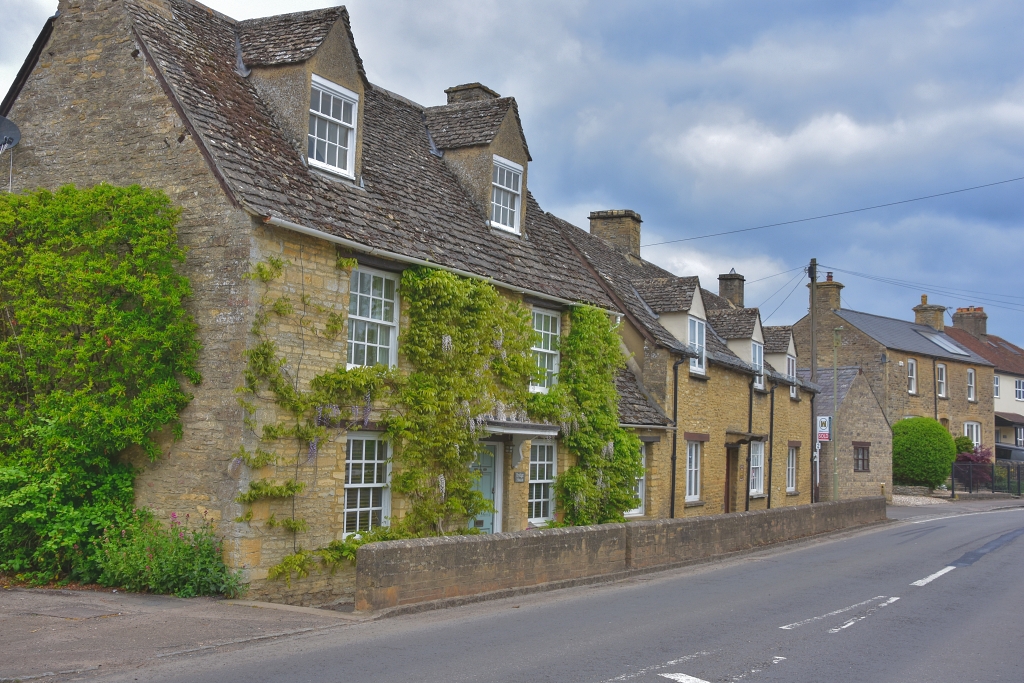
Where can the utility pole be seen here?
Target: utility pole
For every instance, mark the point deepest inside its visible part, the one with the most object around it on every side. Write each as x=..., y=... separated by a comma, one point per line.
x=812, y=271
x=836, y=339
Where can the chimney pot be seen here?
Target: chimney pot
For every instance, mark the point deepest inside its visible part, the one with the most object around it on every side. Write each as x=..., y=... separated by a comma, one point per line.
x=620, y=228
x=828, y=277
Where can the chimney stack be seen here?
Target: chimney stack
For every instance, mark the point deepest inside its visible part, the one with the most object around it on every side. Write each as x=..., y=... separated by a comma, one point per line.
x=620, y=228
x=930, y=314
x=828, y=293
x=730, y=286
x=470, y=92
x=973, y=320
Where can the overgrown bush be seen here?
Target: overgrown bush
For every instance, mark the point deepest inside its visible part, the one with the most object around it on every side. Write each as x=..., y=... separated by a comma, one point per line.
x=94, y=343
x=964, y=444
x=143, y=556
x=922, y=452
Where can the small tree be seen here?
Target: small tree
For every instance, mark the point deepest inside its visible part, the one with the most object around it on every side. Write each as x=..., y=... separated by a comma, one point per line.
x=922, y=452
x=964, y=444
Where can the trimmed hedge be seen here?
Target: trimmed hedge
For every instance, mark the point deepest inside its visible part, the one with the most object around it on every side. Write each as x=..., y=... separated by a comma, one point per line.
x=922, y=452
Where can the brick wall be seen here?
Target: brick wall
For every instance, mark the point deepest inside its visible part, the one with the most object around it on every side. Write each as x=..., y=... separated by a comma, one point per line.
x=400, y=574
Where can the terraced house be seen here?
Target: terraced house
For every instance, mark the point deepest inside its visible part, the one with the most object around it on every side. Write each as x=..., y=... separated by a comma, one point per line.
x=306, y=193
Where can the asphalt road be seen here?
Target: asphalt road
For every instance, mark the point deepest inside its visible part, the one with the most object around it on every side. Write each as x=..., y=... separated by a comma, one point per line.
x=875, y=606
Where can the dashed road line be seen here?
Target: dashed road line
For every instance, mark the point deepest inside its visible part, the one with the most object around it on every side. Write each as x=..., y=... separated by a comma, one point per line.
x=832, y=614
x=928, y=579
x=650, y=669
x=859, y=617
x=682, y=678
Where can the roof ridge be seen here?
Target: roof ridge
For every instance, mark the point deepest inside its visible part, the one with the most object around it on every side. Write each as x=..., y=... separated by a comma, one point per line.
x=288, y=15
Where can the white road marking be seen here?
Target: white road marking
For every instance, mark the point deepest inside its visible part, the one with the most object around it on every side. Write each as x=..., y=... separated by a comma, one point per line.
x=867, y=614
x=776, y=660
x=832, y=614
x=682, y=678
x=928, y=579
x=649, y=669
x=966, y=514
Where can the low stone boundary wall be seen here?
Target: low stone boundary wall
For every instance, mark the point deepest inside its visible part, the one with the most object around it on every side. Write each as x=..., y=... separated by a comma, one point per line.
x=397, y=574
x=902, y=490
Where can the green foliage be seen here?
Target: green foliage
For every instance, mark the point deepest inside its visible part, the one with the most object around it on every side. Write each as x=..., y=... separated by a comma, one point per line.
x=300, y=563
x=922, y=452
x=261, y=488
x=964, y=444
x=258, y=459
x=599, y=488
x=94, y=339
x=140, y=555
x=469, y=348
x=330, y=557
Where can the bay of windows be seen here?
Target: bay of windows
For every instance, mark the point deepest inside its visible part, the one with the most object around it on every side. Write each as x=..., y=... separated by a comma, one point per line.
x=372, y=319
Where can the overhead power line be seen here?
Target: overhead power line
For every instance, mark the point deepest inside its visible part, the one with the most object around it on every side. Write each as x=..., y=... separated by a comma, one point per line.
x=837, y=213
x=769, y=277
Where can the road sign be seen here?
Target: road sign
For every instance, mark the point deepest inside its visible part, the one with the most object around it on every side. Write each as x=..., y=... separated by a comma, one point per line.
x=824, y=428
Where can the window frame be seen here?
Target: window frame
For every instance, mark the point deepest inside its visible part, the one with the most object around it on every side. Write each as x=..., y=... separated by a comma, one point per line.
x=940, y=384
x=342, y=93
x=550, y=483
x=641, y=486
x=972, y=391
x=1018, y=436
x=794, y=390
x=539, y=351
x=693, y=471
x=757, y=360
x=912, y=376
x=972, y=426
x=512, y=167
x=792, y=457
x=385, y=508
x=1018, y=389
x=861, y=458
x=396, y=313
x=995, y=386
x=698, y=365
x=756, y=466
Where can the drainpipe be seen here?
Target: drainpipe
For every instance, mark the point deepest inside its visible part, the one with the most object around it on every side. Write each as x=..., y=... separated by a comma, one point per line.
x=675, y=434
x=935, y=389
x=750, y=444
x=771, y=442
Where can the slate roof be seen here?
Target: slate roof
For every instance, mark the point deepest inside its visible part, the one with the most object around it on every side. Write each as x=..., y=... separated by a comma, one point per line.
x=408, y=192
x=776, y=338
x=467, y=124
x=634, y=406
x=846, y=374
x=1006, y=356
x=286, y=38
x=905, y=336
x=734, y=323
x=668, y=294
x=714, y=301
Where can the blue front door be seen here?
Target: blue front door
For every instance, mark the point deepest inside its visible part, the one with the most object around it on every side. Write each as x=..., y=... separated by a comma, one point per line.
x=485, y=465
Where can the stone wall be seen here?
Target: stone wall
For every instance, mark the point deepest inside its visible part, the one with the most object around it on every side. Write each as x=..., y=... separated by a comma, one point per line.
x=403, y=574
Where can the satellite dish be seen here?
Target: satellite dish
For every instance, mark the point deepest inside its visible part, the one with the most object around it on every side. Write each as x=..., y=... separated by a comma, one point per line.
x=9, y=134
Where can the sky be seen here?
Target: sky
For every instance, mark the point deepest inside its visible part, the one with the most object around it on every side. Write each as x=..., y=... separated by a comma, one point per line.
x=708, y=117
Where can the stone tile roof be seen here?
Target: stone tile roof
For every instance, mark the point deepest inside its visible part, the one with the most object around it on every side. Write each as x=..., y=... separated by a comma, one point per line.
x=466, y=124
x=668, y=294
x=906, y=336
x=1006, y=356
x=286, y=38
x=776, y=338
x=846, y=375
x=733, y=323
x=714, y=301
x=410, y=202
x=635, y=408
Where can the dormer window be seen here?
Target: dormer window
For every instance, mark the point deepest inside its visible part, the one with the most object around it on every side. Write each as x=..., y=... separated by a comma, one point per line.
x=331, y=143
x=697, y=331
x=757, y=360
x=506, y=192
x=794, y=392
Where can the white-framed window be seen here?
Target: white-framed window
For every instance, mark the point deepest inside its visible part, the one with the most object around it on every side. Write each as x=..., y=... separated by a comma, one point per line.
x=698, y=330
x=911, y=376
x=1018, y=389
x=543, y=462
x=794, y=391
x=506, y=194
x=756, y=468
x=545, y=348
x=367, y=469
x=331, y=140
x=757, y=360
x=640, y=489
x=1019, y=436
x=791, y=470
x=372, y=318
x=972, y=430
x=995, y=386
x=971, y=394
x=693, y=449
x=940, y=379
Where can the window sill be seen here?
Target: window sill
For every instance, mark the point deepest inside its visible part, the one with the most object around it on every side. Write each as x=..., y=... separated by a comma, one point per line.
x=943, y=398
x=755, y=496
x=792, y=493
x=862, y=471
x=693, y=504
x=702, y=376
x=761, y=390
x=538, y=390
x=330, y=170
x=503, y=228
x=795, y=399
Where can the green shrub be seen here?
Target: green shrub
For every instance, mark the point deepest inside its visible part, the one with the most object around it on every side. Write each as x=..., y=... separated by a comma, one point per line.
x=141, y=555
x=922, y=452
x=94, y=344
x=964, y=444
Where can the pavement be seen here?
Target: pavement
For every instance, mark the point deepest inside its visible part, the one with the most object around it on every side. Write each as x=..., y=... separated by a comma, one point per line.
x=618, y=628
